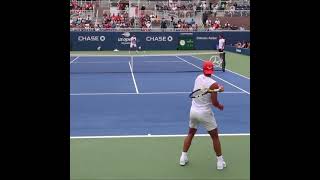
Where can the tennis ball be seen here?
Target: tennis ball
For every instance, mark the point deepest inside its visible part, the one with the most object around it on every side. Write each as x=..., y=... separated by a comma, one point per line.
x=149, y=134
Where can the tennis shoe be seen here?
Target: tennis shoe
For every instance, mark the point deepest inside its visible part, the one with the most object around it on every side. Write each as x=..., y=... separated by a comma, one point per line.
x=183, y=160
x=221, y=164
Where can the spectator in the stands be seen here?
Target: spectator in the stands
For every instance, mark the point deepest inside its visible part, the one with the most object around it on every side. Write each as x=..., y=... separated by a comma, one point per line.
x=217, y=21
x=163, y=24
x=148, y=24
x=243, y=44
x=238, y=45
x=192, y=21
x=113, y=25
x=227, y=25
x=208, y=22
x=246, y=45
x=204, y=18
x=205, y=6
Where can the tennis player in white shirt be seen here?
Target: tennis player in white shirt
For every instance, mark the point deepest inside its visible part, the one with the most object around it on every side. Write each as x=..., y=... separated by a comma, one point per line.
x=201, y=113
x=221, y=45
x=133, y=42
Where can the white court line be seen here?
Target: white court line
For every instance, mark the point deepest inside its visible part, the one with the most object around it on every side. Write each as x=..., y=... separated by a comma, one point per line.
x=134, y=80
x=74, y=59
x=159, y=61
x=147, y=93
x=114, y=62
x=142, y=136
x=226, y=69
x=215, y=76
x=100, y=62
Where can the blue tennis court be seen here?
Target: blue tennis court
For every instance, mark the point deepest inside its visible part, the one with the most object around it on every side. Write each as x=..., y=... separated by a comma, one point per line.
x=127, y=95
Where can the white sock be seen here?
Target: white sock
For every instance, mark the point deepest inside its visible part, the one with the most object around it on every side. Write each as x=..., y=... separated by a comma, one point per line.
x=220, y=158
x=184, y=154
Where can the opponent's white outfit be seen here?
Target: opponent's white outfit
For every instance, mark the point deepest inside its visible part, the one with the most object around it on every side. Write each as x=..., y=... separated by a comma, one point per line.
x=133, y=42
x=201, y=111
x=221, y=43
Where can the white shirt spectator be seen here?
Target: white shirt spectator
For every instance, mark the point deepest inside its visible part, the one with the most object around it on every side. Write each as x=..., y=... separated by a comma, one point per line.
x=217, y=21
x=204, y=6
x=208, y=22
x=232, y=8
x=152, y=18
x=88, y=18
x=148, y=24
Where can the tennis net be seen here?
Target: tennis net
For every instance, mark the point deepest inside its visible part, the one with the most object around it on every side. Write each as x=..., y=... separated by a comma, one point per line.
x=143, y=63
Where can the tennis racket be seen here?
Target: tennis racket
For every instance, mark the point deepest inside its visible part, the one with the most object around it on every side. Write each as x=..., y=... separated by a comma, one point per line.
x=201, y=92
x=217, y=61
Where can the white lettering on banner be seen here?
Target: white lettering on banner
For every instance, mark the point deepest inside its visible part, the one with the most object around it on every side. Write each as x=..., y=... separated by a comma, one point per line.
x=206, y=38
x=102, y=38
x=159, y=38
x=124, y=40
x=126, y=34
x=91, y=38
x=238, y=50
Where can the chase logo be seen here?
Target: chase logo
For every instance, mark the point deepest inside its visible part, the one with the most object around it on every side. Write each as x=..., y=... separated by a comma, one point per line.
x=126, y=34
x=91, y=38
x=102, y=38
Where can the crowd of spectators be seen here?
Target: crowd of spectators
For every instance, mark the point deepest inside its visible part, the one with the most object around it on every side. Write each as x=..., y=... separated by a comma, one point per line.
x=74, y=5
x=244, y=44
x=121, y=20
x=147, y=21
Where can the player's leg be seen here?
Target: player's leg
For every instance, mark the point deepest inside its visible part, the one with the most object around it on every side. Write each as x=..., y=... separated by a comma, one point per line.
x=217, y=148
x=186, y=145
x=131, y=45
x=188, y=140
x=193, y=123
x=222, y=57
x=135, y=47
x=216, y=142
x=212, y=128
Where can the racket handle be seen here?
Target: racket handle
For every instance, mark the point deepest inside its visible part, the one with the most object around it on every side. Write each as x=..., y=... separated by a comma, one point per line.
x=213, y=90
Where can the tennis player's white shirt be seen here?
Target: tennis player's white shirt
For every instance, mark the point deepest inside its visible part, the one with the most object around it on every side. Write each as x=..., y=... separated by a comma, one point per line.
x=201, y=111
x=221, y=43
x=133, y=42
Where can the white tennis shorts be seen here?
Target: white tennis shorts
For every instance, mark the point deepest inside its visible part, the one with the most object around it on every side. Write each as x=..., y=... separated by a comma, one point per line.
x=133, y=45
x=206, y=118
